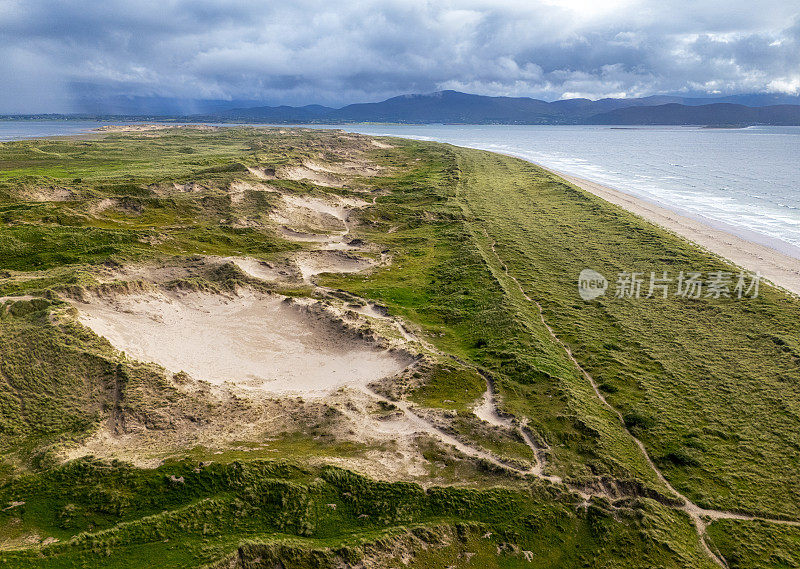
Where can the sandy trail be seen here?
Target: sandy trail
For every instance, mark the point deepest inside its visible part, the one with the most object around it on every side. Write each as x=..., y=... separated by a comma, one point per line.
x=254, y=341
x=779, y=268
x=489, y=411
x=427, y=427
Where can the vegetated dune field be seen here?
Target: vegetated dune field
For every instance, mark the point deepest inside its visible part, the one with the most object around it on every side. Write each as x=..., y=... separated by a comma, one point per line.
x=274, y=347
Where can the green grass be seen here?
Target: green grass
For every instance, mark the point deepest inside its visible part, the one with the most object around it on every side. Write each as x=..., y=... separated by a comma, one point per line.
x=295, y=445
x=111, y=515
x=756, y=544
x=444, y=279
x=142, y=223
x=450, y=387
x=52, y=383
x=710, y=387
x=58, y=380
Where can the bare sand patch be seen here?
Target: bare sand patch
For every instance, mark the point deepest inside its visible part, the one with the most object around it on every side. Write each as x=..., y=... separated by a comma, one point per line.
x=381, y=145
x=129, y=207
x=157, y=272
x=369, y=309
x=167, y=189
x=313, y=263
x=318, y=205
x=191, y=187
x=349, y=168
x=255, y=341
x=50, y=195
x=103, y=205
x=304, y=173
x=311, y=216
x=487, y=411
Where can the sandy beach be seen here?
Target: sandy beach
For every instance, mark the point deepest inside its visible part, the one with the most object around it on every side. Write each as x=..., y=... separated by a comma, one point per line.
x=779, y=268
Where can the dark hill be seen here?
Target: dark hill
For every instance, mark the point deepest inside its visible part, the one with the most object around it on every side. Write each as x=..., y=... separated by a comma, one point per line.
x=715, y=114
x=453, y=107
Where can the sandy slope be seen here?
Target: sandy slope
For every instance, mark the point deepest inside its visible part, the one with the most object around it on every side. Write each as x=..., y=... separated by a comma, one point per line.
x=774, y=266
x=252, y=340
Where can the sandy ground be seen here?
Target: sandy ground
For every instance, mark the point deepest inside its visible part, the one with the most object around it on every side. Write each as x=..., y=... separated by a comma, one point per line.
x=774, y=266
x=317, y=176
x=314, y=263
x=252, y=340
x=255, y=353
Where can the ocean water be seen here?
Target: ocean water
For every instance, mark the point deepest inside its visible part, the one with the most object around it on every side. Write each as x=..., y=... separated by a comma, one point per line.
x=743, y=180
x=17, y=130
x=746, y=181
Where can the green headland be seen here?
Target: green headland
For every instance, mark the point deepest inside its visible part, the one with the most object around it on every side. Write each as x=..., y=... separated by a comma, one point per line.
x=275, y=347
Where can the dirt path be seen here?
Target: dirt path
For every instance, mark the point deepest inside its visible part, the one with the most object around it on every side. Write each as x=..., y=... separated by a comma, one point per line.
x=489, y=411
x=429, y=428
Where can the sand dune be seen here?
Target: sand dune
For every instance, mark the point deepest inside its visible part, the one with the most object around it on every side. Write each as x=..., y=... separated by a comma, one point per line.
x=253, y=340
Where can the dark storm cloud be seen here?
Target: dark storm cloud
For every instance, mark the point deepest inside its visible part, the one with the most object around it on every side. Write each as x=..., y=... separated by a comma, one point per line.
x=54, y=54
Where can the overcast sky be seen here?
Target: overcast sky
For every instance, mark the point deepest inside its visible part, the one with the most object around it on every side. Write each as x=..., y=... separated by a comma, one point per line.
x=54, y=54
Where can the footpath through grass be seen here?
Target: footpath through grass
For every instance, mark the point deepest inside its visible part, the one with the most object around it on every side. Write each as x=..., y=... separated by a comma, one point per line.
x=711, y=386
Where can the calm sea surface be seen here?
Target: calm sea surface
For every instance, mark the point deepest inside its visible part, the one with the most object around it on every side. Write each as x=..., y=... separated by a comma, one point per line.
x=744, y=180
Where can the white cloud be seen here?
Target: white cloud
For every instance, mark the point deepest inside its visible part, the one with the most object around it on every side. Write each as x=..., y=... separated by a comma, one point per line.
x=310, y=51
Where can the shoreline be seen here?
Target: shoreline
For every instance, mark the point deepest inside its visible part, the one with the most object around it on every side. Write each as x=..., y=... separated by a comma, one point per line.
x=758, y=254
x=774, y=266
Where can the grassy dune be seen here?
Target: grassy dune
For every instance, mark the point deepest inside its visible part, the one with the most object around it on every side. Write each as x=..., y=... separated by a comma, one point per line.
x=709, y=386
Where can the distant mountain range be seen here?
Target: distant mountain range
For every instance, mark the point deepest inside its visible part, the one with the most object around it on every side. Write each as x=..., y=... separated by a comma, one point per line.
x=453, y=107
x=712, y=115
